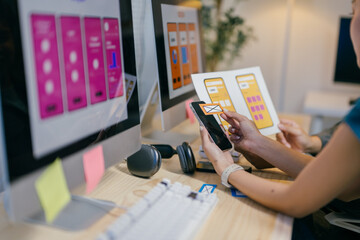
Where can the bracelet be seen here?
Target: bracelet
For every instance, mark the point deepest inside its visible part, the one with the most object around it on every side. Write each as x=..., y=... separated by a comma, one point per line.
x=226, y=173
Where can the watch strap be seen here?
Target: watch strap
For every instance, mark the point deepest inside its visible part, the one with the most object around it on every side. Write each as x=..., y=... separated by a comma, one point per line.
x=226, y=173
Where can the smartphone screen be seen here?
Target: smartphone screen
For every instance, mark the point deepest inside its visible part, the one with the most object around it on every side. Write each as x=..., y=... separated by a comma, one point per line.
x=215, y=131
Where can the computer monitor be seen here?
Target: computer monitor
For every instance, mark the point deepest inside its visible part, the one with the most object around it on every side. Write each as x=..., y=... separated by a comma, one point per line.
x=346, y=68
x=62, y=76
x=179, y=54
x=152, y=51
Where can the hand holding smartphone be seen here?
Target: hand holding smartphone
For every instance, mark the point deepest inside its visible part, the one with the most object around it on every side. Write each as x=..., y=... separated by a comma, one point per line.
x=205, y=116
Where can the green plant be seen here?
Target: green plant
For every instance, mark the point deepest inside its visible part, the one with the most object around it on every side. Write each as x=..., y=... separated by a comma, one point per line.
x=225, y=33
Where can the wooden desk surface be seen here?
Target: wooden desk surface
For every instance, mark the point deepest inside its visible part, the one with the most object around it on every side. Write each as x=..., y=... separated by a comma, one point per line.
x=232, y=218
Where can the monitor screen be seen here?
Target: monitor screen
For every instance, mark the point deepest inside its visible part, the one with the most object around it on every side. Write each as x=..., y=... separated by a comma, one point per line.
x=68, y=83
x=179, y=52
x=346, y=69
x=63, y=81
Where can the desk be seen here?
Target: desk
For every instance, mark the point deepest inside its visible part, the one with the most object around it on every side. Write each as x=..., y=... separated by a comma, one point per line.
x=232, y=218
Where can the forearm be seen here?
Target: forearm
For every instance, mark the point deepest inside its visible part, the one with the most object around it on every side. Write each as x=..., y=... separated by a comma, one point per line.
x=271, y=194
x=289, y=161
x=321, y=181
x=257, y=161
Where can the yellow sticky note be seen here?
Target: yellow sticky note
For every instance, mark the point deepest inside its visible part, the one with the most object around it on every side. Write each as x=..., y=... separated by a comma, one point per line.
x=52, y=190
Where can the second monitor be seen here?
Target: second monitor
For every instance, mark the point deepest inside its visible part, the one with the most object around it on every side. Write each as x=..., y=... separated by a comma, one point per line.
x=179, y=54
x=167, y=55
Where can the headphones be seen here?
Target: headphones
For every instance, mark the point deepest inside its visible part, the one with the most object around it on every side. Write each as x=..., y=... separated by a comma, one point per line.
x=147, y=161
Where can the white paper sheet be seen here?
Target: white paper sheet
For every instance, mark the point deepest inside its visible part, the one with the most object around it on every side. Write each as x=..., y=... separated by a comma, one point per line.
x=243, y=91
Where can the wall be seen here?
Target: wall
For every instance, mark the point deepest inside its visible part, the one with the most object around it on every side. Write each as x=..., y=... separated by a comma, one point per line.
x=307, y=61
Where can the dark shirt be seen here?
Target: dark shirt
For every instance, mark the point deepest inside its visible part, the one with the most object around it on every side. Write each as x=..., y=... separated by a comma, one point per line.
x=352, y=119
x=326, y=134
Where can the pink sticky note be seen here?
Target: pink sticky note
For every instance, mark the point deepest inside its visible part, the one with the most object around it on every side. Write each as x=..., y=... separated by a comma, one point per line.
x=94, y=167
x=189, y=112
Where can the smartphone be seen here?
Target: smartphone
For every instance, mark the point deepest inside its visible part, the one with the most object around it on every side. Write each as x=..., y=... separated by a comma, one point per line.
x=216, y=133
x=206, y=166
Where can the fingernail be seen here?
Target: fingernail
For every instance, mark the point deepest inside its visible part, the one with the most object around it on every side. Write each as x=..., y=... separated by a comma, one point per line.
x=236, y=137
x=201, y=128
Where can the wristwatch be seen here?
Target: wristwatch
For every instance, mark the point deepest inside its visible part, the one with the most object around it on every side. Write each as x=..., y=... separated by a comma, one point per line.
x=226, y=173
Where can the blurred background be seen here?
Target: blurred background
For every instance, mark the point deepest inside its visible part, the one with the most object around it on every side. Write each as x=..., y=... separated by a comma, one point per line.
x=295, y=43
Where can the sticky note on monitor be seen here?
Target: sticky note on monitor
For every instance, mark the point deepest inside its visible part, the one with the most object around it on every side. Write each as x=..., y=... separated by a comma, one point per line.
x=189, y=112
x=211, y=108
x=52, y=190
x=94, y=167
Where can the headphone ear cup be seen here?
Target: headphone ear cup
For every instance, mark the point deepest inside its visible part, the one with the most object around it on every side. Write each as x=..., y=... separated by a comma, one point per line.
x=182, y=159
x=144, y=163
x=186, y=157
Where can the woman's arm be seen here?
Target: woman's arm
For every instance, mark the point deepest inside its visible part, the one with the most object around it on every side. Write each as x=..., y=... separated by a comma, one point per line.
x=327, y=177
x=248, y=140
x=288, y=160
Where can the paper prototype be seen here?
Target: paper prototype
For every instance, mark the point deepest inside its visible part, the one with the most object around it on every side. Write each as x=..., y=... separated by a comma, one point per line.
x=94, y=167
x=52, y=190
x=243, y=91
x=237, y=193
x=207, y=188
x=211, y=109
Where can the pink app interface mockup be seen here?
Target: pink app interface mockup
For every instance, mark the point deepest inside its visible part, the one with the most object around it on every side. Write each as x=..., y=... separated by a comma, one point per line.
x=113, y=57
x=95, y=60
x=47, y=65
x=73, y=62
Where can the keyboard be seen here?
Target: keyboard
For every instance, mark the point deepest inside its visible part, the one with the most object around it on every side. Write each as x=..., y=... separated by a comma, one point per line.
x=168, y=211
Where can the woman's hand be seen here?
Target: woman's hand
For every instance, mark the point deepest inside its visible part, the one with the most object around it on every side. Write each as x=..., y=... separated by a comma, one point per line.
x=245, y=135
x=293, y=136
x=220, y=160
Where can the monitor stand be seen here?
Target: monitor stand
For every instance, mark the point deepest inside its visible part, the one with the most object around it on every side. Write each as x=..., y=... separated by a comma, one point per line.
x=151, y=128
x=79, y=214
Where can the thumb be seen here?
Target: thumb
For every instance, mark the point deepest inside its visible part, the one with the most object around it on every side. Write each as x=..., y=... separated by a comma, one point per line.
x=204, y=135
